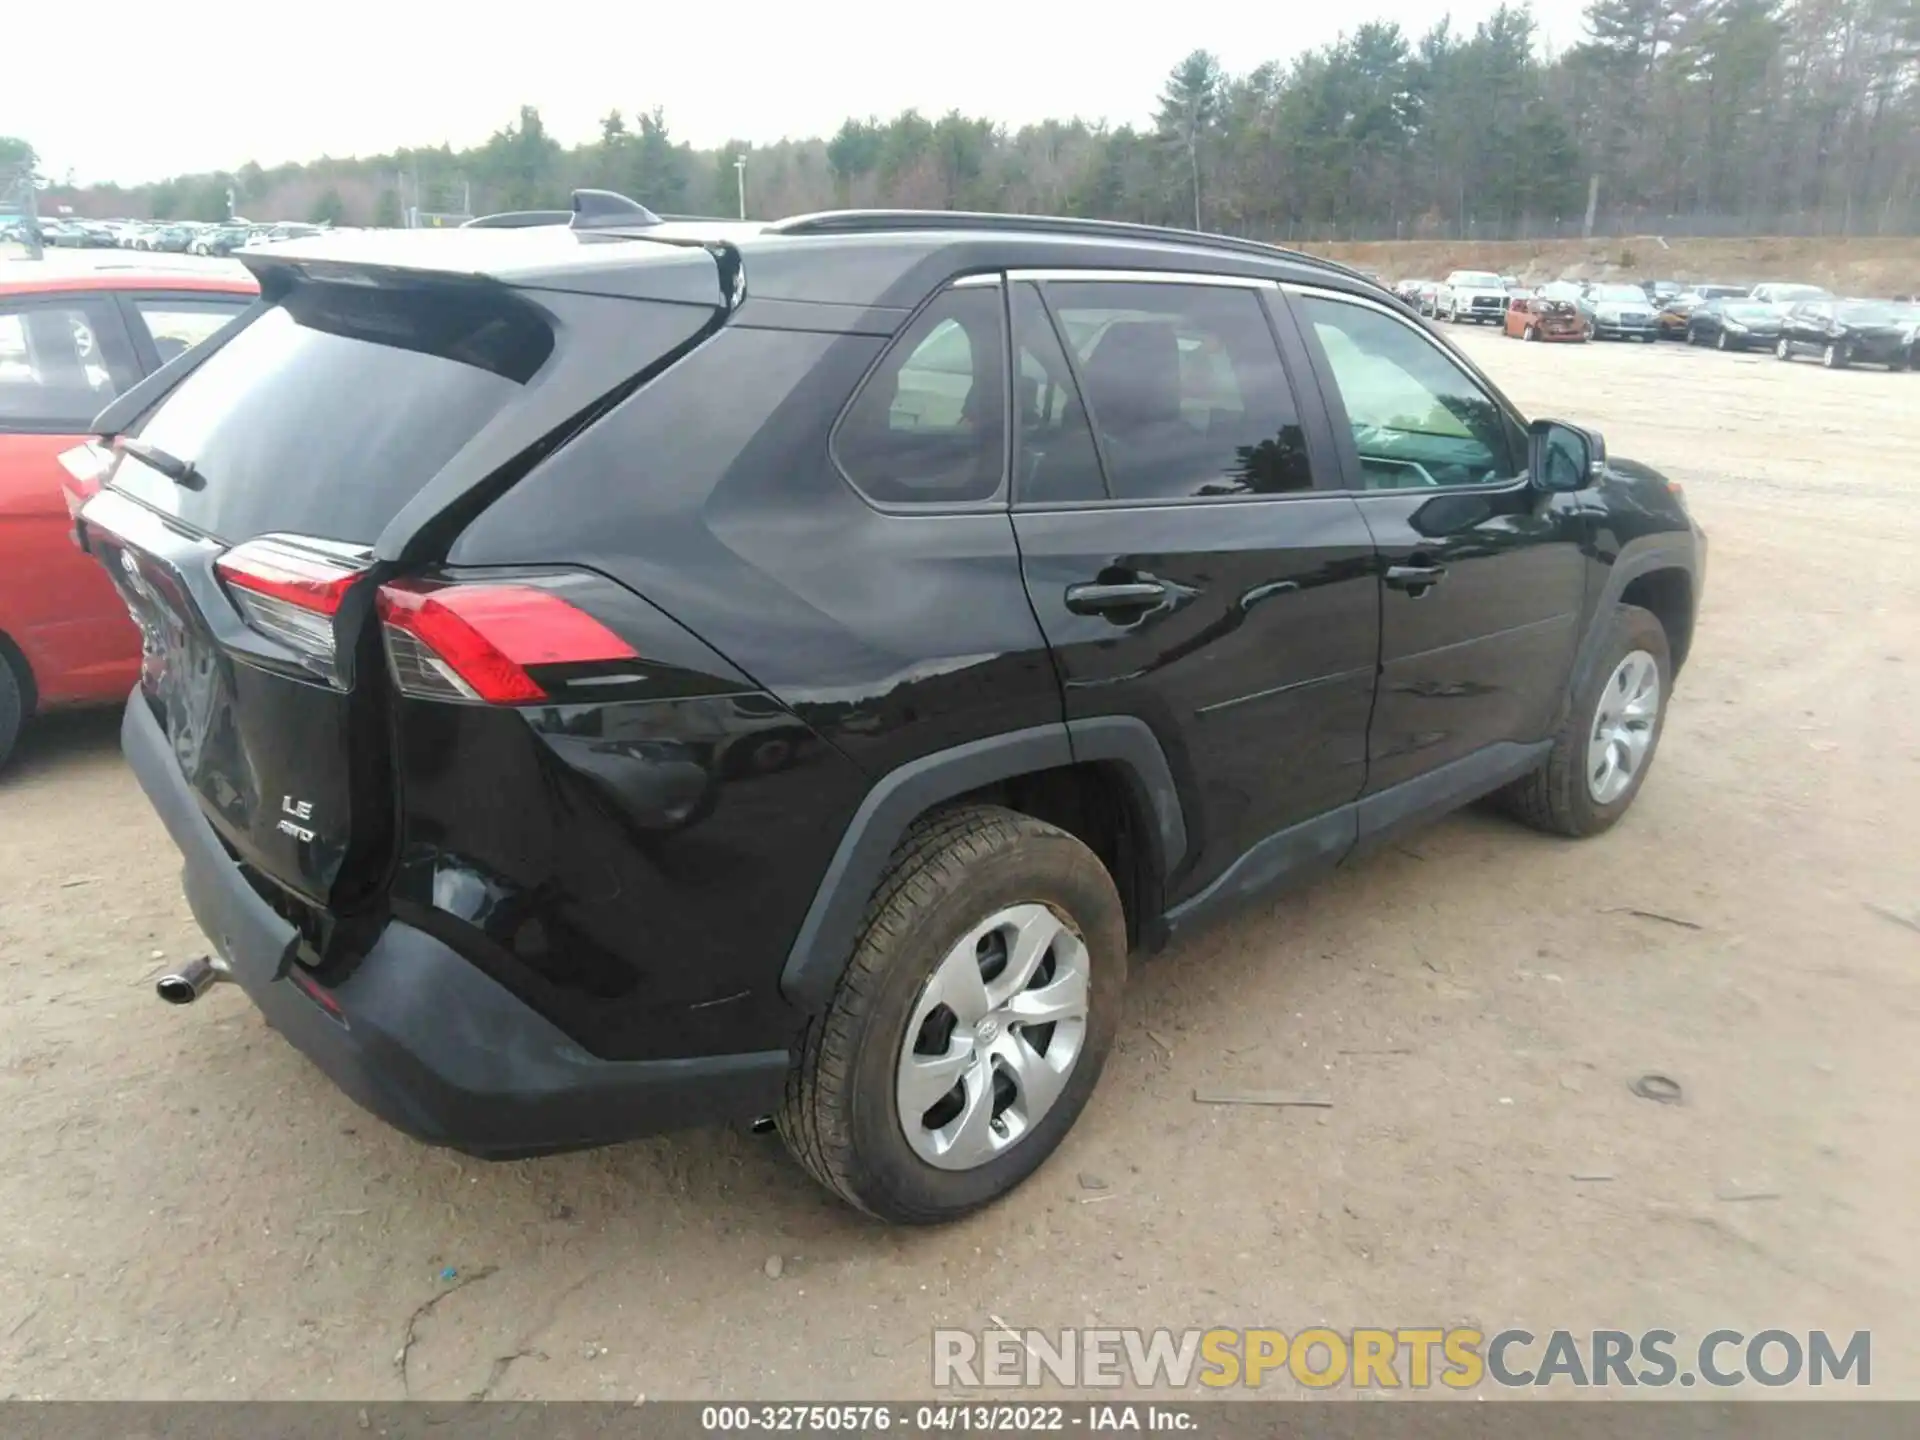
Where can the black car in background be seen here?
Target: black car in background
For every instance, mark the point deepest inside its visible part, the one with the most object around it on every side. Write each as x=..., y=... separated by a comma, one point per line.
x=1676, y=310
x=221, y=240
x=1733, y=323
x=1002, y=595
x=1847, y=332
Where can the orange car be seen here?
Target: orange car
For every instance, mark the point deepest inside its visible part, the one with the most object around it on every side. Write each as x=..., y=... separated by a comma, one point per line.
x=1534, y=317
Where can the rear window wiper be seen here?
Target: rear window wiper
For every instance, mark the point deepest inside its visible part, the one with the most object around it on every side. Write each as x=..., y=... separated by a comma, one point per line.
x=181, y=472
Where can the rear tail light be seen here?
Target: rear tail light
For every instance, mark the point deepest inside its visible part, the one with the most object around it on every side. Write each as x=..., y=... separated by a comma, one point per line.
x=86, y=466
x=480, y=642
x=289, y=590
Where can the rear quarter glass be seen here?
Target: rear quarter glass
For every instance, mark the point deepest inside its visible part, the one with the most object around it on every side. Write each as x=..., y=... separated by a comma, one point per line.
x=337, y=405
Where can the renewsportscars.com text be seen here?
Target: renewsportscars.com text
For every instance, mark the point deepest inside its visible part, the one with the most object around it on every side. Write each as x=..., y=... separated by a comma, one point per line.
x=1380, y=1359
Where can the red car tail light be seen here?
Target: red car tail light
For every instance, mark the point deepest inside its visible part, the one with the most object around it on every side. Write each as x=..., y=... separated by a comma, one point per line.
x=86, y=466
x=289, y=590
x=476, y=641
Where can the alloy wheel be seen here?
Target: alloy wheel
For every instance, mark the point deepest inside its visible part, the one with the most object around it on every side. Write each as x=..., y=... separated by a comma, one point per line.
x=1623, y=725
x=994, y=1037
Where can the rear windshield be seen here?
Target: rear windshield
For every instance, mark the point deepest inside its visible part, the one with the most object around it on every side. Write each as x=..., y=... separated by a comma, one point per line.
x=335, y=407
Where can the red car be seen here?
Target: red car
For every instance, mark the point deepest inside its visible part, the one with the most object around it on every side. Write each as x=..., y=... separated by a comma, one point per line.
x=70, y=341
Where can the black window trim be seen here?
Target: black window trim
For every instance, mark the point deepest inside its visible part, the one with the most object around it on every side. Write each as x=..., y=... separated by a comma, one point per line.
x=77, y=298
x=996, y=503
x=1308, y=406
x=1337, y=406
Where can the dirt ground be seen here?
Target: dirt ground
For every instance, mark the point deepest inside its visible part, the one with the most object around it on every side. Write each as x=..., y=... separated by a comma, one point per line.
x=1848, y=265
x=191, y=1211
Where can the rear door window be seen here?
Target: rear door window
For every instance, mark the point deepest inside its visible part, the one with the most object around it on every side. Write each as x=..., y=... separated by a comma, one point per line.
x=1054, y=456
x=61, y=360
x=928, y=427
x=1185, y=389
x=332, y=409
x=175, y=324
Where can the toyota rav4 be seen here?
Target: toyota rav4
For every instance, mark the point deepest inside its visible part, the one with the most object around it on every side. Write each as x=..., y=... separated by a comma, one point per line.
x=638, y=674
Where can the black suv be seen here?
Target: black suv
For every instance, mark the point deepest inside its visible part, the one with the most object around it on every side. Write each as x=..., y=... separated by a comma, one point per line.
x=657, y=673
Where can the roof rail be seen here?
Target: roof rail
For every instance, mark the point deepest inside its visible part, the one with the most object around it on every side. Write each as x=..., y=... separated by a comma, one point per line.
x=855, y=222
x=517, y=219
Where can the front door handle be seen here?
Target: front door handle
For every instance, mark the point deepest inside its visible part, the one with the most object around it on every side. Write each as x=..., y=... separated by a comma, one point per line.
x=1415, y=578
x=1104, y=598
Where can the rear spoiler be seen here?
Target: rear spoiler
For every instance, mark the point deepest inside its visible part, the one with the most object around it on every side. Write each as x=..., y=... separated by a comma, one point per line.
x=278, y=272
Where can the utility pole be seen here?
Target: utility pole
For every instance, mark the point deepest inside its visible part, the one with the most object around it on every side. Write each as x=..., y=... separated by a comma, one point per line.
x=740, y=173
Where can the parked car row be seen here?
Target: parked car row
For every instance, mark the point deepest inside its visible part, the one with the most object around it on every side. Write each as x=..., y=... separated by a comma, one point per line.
x=1790, y=319
x=195, y=237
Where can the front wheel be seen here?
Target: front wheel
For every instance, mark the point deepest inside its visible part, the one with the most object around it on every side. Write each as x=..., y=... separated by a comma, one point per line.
x=13, y=708
x=1531, y=334
x=971, y=1024
x=1601, y=755
x=1782, y=350
x=1834, y=357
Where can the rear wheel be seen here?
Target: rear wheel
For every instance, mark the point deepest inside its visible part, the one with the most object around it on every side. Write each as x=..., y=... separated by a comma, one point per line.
x=1602, y=753
x=971, y=1024
x=13, y=708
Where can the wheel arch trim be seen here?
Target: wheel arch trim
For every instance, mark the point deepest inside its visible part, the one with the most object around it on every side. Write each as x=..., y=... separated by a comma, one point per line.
x=1644, y=556
x=824, y=945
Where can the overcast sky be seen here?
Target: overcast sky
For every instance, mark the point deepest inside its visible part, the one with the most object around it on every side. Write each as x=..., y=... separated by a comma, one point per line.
x=134, y=90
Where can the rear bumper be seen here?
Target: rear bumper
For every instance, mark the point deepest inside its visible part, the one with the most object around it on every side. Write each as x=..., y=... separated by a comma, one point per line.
x=426, y=1041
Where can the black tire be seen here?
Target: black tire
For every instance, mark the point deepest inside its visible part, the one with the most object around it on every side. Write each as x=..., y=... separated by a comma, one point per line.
x=840, y=1116
x=13, y=707
x=1722, y=343
x=1782, y=350
x=1555, y=797
x=1835, y=357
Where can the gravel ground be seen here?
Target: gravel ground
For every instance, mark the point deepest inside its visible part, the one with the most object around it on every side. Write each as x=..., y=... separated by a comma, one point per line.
x=191, y=1211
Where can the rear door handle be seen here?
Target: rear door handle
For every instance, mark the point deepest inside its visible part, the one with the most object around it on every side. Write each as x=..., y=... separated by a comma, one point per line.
x=1415, y=577
x=1097, y=598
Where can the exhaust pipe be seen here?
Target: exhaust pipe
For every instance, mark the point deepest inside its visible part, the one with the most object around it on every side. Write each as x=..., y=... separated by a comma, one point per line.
x=192, y=980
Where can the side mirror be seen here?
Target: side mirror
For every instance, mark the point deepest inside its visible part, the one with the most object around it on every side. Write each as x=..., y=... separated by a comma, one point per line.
x=1564, y=457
